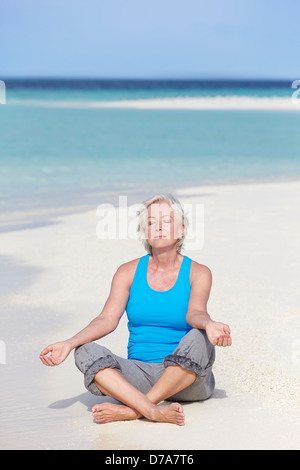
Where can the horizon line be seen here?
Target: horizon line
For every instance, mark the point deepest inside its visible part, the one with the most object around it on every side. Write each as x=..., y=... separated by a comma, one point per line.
x=47, y=77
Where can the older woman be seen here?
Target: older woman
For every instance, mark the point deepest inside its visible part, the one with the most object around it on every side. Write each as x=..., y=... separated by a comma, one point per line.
x=172, y=339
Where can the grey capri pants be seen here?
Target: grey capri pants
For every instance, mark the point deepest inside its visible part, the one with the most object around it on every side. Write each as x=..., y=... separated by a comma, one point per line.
x=194, y=352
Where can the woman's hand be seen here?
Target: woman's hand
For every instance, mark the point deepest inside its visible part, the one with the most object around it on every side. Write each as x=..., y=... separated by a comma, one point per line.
x=58, y=353
x=218, y=333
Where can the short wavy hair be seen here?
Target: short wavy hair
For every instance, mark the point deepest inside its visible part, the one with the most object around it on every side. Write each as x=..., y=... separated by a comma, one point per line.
x=178, y=214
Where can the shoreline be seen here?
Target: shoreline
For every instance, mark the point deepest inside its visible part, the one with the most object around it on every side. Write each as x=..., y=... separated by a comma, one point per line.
x=12, y=220
x=61, y=279
x=233, y=102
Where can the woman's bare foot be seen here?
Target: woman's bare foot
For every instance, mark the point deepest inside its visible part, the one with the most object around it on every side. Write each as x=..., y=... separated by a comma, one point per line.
x=109, y=412
x=169, y=414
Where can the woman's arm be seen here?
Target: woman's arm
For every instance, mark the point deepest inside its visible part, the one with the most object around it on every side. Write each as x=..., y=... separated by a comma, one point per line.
x=101, y=326
x=197, y=315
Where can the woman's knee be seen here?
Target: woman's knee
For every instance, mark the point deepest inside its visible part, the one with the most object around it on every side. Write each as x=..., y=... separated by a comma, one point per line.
x=86, y=354
x=196, y=346
x=200, y=338
x=197, y=335
x=81, y=356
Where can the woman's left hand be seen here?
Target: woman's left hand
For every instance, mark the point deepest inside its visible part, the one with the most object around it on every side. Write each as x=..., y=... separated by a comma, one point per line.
x=218, y=334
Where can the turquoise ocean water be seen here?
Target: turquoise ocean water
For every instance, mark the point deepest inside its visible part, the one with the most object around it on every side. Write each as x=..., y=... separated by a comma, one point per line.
x=68, y=157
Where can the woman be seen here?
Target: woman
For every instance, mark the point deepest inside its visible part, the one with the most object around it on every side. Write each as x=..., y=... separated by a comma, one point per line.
x=171, y=347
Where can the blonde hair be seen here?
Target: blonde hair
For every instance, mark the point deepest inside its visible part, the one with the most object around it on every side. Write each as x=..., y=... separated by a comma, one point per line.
x=178, y=213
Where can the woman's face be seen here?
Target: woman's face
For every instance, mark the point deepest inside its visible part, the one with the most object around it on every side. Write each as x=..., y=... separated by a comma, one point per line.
x=163, y=229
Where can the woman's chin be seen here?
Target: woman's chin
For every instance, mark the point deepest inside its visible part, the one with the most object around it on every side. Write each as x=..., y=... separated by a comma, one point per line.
x=162, y=242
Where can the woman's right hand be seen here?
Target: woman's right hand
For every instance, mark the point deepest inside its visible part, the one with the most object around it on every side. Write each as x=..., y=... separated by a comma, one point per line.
x=58, y=353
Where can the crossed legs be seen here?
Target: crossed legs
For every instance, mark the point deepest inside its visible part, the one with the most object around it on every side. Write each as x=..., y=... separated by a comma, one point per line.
x=130, y=381
x=137, y=404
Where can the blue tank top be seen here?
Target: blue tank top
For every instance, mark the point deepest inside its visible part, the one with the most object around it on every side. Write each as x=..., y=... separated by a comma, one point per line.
x=156, y=320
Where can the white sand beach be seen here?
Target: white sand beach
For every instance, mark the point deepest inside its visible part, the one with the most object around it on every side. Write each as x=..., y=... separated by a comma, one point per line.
x=233, y=102
x=56, y=278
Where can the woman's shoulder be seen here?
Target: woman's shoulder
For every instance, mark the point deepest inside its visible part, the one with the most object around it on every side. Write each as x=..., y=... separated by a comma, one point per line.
x=199, y=271
x=131, y=264
x=128, y=269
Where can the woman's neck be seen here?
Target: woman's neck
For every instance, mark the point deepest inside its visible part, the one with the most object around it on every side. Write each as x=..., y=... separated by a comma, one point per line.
x=165, y=261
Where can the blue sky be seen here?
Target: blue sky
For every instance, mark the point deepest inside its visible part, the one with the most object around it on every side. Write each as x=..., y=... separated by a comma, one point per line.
x=150, y=39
